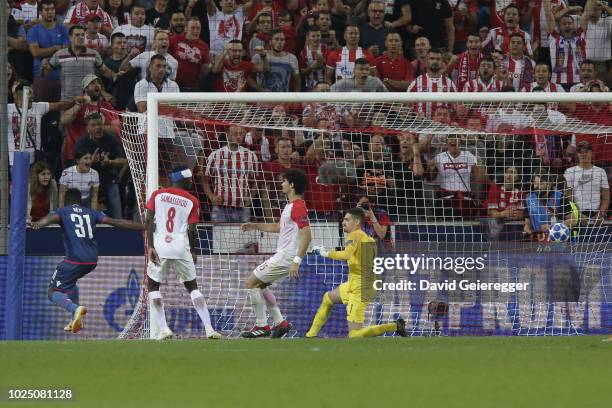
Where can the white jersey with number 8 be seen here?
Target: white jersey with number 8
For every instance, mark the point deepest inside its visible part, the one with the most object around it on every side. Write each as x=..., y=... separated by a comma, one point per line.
x=174, y=210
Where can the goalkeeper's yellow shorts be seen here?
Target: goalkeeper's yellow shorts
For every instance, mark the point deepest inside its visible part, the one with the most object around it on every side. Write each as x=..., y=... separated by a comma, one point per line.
x=355, y=306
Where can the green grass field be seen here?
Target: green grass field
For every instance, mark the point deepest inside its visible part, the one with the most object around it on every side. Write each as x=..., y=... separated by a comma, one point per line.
x=380, y=372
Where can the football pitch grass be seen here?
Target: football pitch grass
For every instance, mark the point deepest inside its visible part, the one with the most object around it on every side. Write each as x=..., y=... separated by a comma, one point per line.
x=379, y=372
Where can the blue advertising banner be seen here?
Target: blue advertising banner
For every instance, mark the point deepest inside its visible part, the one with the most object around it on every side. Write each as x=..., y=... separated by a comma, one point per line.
x=111, y=293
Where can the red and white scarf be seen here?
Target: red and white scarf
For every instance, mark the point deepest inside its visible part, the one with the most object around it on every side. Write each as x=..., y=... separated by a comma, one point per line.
x=467, y=69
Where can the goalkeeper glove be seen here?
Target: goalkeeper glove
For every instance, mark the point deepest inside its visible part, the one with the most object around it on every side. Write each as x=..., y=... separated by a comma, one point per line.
x=319, y=250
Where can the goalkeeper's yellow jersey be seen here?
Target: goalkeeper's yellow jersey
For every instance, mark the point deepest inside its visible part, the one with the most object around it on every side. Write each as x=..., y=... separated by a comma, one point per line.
x=359, y=252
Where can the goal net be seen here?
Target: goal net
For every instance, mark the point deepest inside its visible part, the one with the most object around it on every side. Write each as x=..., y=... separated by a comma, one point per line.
x=465, y=192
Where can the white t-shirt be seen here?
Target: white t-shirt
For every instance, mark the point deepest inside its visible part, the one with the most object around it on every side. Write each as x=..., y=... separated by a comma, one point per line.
x=142, y=61
x=99, y=44
x=139, y=37
x=35, y=115
x=144, y=86
x=174, y=210
x=223, y=28
x=598, y=37
x=586, y=185
x=455, y=171
x=27, y=13
x=71, y=178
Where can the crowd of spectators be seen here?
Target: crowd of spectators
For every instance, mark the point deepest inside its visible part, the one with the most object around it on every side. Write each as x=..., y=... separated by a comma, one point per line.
x=87, y=59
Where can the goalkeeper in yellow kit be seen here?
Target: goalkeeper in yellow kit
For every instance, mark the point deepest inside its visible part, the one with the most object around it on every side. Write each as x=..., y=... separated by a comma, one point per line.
x=357, y=293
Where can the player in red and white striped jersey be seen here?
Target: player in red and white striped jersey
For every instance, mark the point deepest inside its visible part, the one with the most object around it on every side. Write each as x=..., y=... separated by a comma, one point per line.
x=486, y=81
x=172, y=215
x=499, y=38
x=432, y=81
x=542, y=76
x=233, y=170
x=312, y=59
x=294, y=238
x=567, y=46
x=341, y=62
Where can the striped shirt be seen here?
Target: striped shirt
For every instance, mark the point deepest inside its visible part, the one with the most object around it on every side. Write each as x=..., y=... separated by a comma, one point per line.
x=307, y=57
x=342, y=61
x=74, y=67
x=477, y=85
x=566, y=55
x=499, y=40
x=519, y=72
x=426, y=84
x=233, y=172
x=78, y=13
x=539, y=27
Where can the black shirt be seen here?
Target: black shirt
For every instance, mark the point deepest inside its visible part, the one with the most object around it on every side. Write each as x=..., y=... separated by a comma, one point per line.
x=430, y=14
x=107, y=144
x=369, y=36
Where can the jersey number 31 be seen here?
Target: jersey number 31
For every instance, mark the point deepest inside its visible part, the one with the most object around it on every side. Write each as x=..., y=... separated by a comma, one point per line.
x=79, y=225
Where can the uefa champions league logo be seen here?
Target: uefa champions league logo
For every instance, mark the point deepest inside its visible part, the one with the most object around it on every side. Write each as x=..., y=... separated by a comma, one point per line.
x=124, y=299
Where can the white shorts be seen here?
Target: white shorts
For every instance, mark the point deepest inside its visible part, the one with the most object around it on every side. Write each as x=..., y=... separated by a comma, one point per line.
x=273, y=269
x=184, y=269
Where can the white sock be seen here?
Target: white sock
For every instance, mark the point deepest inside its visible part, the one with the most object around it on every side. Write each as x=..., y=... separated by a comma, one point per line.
x=199, y=303
x=259, y=307
x=157, y=314
x=272, y=306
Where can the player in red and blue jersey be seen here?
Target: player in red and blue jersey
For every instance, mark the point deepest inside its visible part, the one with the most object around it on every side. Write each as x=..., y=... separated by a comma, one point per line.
x=79, y=229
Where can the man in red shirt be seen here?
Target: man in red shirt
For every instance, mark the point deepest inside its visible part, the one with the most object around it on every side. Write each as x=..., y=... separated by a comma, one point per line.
x=192, y=55
x=230, y=72
x=599, y=113
x=392, y=68
x=273, y=199
x=74, y=118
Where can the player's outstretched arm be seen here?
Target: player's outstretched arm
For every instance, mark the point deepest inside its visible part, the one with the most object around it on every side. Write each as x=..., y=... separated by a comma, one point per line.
x=124, y=224
x=346, y=253
x=259, y=226
x=48, y=220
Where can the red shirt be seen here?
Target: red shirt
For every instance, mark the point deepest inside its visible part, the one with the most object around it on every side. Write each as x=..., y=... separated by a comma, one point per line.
x=40, y=206
x=78, y=127
x=81, y=11
x=462, y=28
x=398, y=69
x=230, y=76
x=273, y=177
x=319, y=197
x=258, y=6
x=291, y=39
x=499, y=199
x=191, y=55
x=602, y=144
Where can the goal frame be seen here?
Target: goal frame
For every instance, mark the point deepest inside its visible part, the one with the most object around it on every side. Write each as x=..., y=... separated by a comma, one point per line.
x=153, y=100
